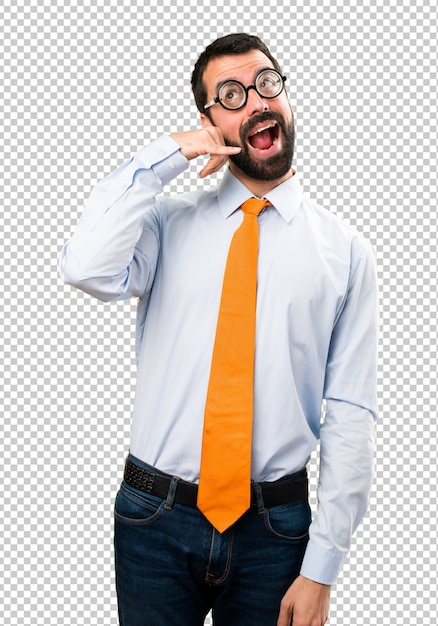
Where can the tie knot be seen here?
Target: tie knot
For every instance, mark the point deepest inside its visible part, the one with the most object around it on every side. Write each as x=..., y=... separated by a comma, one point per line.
x=254, y=206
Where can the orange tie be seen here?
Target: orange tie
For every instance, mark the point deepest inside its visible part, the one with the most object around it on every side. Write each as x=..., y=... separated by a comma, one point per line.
x=225, y=475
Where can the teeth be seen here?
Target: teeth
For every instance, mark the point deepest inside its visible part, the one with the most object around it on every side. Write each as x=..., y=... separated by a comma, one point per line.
x=261, y=130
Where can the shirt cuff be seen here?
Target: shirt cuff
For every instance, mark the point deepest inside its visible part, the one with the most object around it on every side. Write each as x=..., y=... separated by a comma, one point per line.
x=163, y=156
x=322, y=565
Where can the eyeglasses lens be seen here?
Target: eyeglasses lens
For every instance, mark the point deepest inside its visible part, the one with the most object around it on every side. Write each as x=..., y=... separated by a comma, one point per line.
x=233, y=95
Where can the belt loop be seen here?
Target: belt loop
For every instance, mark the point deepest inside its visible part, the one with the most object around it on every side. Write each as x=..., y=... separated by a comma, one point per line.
x=171, y=493
x=259, y=497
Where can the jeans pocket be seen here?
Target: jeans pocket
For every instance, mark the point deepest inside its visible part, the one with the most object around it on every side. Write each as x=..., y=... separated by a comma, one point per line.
x=133, y=507
x=289, y=522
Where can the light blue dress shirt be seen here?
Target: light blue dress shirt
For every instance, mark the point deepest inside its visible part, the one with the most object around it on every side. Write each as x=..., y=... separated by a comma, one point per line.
x=315, y=338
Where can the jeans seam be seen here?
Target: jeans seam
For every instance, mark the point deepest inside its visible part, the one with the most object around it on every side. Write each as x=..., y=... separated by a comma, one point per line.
x=228, y=561
x=155, y=511
x=210, y=578
x=280, y=536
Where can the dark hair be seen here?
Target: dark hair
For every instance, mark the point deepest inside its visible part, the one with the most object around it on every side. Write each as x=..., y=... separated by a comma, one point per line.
x=235, y=43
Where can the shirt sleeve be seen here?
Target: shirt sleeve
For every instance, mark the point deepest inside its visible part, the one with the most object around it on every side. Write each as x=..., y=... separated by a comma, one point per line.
x=113, y=253
x=347, y=434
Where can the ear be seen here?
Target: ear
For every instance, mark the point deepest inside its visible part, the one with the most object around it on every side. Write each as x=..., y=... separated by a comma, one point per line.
x=205, y=121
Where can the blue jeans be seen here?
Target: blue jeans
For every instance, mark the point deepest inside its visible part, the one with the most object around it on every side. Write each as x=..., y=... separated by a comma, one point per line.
x=172, y=566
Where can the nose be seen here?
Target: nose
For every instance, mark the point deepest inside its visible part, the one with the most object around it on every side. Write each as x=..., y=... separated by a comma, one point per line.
x=255, y=103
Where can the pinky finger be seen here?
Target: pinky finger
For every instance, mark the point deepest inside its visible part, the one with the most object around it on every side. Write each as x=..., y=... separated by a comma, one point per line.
x=213, y=165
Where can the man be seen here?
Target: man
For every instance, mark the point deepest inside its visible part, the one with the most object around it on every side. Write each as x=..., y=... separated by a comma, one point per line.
x=315, y=340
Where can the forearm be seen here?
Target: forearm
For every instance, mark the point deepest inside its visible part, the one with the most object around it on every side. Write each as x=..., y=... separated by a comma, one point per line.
x=345, y=480
x=113, y=252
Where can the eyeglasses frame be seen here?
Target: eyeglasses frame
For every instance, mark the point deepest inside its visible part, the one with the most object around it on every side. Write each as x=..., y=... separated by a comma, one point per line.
x=246, y=90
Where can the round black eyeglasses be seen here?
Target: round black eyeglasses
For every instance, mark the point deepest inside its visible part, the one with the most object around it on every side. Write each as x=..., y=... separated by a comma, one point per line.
x=232, y=95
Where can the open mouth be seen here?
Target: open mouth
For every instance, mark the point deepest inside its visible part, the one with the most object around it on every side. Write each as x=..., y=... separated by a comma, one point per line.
x=264, y=137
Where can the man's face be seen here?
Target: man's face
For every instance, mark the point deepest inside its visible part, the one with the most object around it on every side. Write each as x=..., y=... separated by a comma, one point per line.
x=266, y=154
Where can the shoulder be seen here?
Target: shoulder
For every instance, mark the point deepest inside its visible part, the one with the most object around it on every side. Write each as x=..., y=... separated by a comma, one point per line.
x=335, y=230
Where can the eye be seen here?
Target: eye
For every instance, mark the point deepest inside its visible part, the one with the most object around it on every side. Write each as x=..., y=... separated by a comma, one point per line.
x=231, y=94
x=269, y=83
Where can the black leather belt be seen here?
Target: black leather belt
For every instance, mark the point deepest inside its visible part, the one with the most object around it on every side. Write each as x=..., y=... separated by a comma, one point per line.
x=274, y=493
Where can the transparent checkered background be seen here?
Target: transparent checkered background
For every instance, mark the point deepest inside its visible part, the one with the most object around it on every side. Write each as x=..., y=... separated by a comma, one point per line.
x=85, y=85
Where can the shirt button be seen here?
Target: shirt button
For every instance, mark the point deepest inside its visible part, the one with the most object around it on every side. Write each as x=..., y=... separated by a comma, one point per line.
x=172, y=165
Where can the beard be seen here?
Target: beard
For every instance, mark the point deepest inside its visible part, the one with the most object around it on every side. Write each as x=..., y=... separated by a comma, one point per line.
x=267, y=169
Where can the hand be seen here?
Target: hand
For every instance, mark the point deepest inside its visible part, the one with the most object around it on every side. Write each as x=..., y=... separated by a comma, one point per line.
x=194, y=143
x=306, y=603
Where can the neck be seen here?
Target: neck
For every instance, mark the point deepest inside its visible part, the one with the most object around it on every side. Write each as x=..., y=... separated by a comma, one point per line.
x=258, y=188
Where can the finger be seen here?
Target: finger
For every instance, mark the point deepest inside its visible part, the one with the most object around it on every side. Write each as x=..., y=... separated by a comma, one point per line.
x=217, y=145
x=218, y=160
x=214, y=164
x=222, y=150
x=284, y=617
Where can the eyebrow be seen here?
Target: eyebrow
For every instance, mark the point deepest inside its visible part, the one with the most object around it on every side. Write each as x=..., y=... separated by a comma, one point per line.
x=227, y=80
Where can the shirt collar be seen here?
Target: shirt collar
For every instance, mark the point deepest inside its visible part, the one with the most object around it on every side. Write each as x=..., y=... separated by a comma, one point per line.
x=286, y=198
